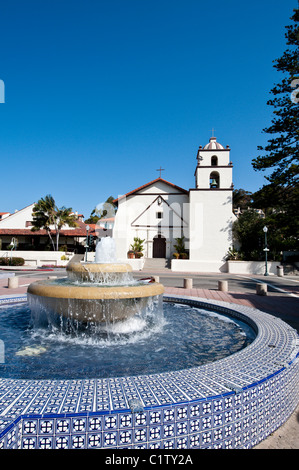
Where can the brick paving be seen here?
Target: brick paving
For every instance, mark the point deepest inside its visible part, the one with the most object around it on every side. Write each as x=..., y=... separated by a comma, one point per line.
x=278, y=305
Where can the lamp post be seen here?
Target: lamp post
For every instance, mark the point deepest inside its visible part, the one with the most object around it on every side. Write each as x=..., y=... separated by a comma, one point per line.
x=86, y=243
x=265, y=229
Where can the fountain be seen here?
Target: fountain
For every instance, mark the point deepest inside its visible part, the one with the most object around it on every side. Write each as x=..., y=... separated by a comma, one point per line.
x=100, y=291
x=81, y=390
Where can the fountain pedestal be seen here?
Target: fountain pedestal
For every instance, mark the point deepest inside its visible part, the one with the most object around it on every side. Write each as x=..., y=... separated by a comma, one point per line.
x=95, y=292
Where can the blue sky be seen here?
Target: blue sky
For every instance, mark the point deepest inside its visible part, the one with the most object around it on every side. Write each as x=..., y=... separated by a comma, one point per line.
x=101, y=93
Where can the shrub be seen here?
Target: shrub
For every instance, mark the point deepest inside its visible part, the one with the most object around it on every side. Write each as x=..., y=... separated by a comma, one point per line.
x=15, y=261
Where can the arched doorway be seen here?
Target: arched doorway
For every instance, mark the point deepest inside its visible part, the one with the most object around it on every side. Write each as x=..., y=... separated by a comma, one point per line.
x=159, y=247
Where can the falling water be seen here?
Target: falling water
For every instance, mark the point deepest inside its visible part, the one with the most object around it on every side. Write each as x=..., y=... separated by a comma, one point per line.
x=106, y=251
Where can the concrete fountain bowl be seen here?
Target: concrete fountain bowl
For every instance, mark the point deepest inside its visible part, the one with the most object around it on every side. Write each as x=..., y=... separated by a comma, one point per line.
x=97, y=292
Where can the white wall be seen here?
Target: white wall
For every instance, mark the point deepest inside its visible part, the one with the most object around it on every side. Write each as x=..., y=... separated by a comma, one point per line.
x=222, y=155
x=18, y=219
x=182, y=265
x=210, y=225
x=203, y=176
x=38, y=258
x=232, y=267
x=137, y=217
x=251, y=267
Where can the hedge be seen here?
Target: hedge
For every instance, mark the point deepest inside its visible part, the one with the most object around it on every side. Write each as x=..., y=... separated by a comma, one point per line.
x=14, y=261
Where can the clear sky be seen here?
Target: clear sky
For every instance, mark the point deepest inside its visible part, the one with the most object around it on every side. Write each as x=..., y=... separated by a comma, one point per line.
x=100, y=93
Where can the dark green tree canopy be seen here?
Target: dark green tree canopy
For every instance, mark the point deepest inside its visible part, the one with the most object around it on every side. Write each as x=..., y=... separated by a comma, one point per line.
x=241, y=199
x=282, y=152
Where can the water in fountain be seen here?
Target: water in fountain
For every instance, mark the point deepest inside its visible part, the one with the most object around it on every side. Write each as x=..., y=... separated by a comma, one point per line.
x=105, y=251
x=97, y=292
x=183, y=337
x=82, y=327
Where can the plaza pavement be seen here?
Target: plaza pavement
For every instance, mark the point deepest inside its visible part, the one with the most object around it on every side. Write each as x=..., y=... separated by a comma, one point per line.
x=283, y=303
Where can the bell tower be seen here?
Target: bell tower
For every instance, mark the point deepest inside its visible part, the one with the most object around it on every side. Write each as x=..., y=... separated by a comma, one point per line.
x=211, y=211
x=214, y=168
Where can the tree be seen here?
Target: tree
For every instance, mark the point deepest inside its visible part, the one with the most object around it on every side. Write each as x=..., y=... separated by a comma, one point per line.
x=64, y=217
x=44, y=216
x=248, y=235
x=242, y=199
x=102, y=210
x=247, y=231
x=282, y=151
x=279, y=197
x=47, y=216
x=93, y=218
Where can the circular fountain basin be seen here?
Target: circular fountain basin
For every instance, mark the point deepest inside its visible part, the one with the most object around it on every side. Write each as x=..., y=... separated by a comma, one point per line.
x=98, y=272
x=89, y=302
x=234, y=402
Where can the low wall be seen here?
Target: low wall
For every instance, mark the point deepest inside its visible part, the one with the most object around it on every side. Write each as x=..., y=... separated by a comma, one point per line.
x=251, y=267
x=136, y=263
x=39, y=258
x=233, y=267
x=187, y=265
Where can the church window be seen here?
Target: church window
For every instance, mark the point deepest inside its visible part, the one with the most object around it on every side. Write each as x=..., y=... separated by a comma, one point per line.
x=214, y=160
x=159, y=215
x=214, y=180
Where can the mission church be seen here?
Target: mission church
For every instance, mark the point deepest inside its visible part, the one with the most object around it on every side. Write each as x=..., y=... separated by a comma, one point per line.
x=159, y=212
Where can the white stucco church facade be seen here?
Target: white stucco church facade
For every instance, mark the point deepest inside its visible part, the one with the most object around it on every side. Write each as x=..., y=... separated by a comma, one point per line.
x=159, y=212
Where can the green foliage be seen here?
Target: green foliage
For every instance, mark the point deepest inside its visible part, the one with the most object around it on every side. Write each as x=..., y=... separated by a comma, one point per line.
x=47, y=215
x=248, y=232
x=108, y=209
x=242, y=199
x=14, y=261
x=282, y=151
x=137, y=246
x=233, y=255
x=280, y=204
x=93, y=218
x=279, y=198
x=180, y=245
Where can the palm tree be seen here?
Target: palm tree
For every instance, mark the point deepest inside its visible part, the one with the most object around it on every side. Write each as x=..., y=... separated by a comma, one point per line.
x=47, y=216
x=44, y=215
x=63, y=217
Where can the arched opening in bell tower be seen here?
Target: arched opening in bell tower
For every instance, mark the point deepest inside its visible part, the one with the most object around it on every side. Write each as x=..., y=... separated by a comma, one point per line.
x=214, y=180
x=214, y=160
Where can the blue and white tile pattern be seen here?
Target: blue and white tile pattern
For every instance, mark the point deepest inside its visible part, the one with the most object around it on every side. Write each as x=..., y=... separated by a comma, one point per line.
x=232, y=403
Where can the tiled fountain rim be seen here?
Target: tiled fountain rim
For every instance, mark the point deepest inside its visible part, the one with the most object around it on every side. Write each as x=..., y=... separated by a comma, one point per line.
x=274, y=350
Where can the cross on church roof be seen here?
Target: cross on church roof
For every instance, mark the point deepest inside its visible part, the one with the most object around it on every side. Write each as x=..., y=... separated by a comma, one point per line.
x=213, y=130
x=160, y=169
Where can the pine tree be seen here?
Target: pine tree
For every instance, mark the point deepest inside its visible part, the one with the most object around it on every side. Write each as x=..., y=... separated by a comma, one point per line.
x=282, y=151
x=281, y=194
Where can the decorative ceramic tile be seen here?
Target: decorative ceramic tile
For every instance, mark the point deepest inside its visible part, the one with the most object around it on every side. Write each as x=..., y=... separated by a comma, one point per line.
x=231, y=403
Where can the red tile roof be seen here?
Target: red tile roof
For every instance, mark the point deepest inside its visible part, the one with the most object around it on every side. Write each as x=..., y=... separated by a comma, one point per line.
x=79, y=231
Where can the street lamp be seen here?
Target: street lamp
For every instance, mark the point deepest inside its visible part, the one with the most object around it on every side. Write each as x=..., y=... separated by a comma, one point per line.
x=86, y=243
x=265, y=229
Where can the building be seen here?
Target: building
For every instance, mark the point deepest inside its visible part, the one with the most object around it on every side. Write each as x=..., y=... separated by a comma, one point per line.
x=159, y=212
x=17, y=227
